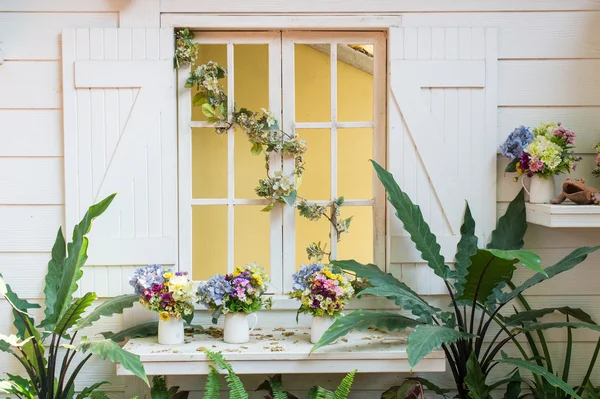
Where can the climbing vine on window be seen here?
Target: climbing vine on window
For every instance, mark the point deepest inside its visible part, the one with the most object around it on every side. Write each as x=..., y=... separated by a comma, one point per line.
x=265, y=136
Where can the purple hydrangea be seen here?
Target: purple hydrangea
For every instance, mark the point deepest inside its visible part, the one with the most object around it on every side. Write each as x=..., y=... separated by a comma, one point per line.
x=212, y=292
x=301, y=276
x=145, y=278
x=516, y=142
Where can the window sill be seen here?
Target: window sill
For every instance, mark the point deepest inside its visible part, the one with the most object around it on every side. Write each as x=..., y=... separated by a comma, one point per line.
x=270, y=352
x=564, y=215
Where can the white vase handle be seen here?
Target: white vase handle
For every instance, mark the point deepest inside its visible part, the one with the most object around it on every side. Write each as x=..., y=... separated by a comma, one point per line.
x=255, y=321
x=523, y=184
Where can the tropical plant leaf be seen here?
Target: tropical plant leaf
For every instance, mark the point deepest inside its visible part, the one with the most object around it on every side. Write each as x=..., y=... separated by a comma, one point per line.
x=466, y=248
x=567, y=263
x=64, y=272
x=527, y=258
x=405, y=297
x=361, y=320
x=497, y=271
x=426, y=338
x=107, y=308
x=87, y=392
x=541, y=371
x=475, y=379
x=74, y=312
x=18, y=386
x=430, y=385
x=213, y=384
x=413, y=222
x=343, y=390
x=19, y=306
x=371, y=272
x=532, y=315
x=291, y=198
x=149, y=329
x=512, y=226
x=563, y=324
x=513, y=388
x=108, y=349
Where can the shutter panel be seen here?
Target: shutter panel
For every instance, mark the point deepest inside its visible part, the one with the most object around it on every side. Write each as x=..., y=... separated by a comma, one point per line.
x=120, y=136
x=442, y=145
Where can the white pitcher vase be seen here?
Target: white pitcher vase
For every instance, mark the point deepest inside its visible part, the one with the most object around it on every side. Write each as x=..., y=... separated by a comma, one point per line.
x=541, y=190
x=170, y=332
x=236, y=329
x=319, y=325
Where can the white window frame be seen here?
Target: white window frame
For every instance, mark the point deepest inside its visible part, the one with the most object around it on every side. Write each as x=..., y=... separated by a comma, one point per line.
x=278, y=22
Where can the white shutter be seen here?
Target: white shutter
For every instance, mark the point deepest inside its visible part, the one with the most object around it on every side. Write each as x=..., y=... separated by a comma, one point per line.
x=120, y=136
x=442, y=146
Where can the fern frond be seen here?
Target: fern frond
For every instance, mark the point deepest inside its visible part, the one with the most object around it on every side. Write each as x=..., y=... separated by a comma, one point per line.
x=343, y=390
x=277, y=389
x=213, y=384
x=319, y=393
x=236, y=388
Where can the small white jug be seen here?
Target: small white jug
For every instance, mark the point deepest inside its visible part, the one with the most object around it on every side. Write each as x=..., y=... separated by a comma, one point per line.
x=236, y=330
x=541, y=190
x=319, y=325
x=170, y=332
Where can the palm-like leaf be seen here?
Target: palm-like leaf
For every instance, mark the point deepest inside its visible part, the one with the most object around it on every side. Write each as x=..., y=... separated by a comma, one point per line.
x=475, y=379
x=64, y=269
x=412, y=219
x=512, y=226
x=466, y=248
x=486, y=272
x=107, y=308
x=140, y=331
x=361, y=320
x=563, y=324
x=426, y=338
x=108, y=349
x=532, y=315
x=74, y=312
x=87, y=392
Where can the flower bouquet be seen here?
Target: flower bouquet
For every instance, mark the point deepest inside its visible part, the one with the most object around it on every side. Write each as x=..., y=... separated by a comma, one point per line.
x=236, y=295
x=596, y=170
x=169, y=293
x=540, y=153
x=322, y=294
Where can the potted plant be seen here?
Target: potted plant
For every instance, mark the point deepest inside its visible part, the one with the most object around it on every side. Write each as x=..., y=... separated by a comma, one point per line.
x=540, y=153
x=237, y=295
x=323, y=294
x=170, y=294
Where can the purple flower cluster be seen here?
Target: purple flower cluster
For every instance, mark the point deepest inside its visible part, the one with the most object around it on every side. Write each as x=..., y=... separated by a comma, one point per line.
x=568, y=136
x=516, y=142
x=241, y=285
x=301, y=276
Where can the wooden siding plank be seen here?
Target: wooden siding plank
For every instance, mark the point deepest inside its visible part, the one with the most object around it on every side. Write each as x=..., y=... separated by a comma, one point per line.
x=29, y=228
x=61, y=6
x=30, y=85
x=527, y=35
x=31, y=133
x=31, y=181
x=27, y=285
x=36, y=36
x=375, y=6
x=549, y=83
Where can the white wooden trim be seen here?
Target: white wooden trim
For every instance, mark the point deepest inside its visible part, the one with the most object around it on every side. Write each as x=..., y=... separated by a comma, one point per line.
x=445, y=73
x=333, y=58
x=60, y=6
x=579, y=216
x=261, y=37
x=322, y=22
x=373, y=6
x=230, y=159
x=139, y=14
x=184, y=112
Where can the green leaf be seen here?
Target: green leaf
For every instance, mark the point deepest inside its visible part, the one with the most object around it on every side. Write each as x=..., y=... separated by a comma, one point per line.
x=567, y=263
x=512, y=166
x=412, y=219
x=107, y=308
x=213, y=384
x=475, y=379
x=563, y=324
x=541, y=371
x=20, y=306
x=531, y=315
x=466, y=248
x=19, y=386
x=405, y=297
x=64, y=273
x=361, y=320
x=236, y=388
x=87, y=392
x=426, y=338
x=198, y=99
x=149, y=329
x=343, y=390
x=256, y=149
x=527, y=258
x=208, y=110
x=512, y=226
x=371, y=272
x=268, y=208
x=73, y=314
x=108, y=349
x=99, y=395
x=291, y=198
x=497, y=271
x=430, y=385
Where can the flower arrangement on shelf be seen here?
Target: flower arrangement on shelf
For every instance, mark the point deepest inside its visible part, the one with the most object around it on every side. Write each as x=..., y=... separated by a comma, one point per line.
x=238, y=292
x=544, y=151
x=161, y=290
x=596, y=170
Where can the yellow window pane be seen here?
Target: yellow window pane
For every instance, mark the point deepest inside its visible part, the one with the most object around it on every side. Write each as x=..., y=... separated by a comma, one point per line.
x=355, y=172
x=358, y=242
x=251, y=235
x=316, y=180
x=209, y=52
x=209, y=241
x=312, y=83
x=251, y=76
x=355, y=83
x=209, y=164
x=308, y=232
x=248, y=168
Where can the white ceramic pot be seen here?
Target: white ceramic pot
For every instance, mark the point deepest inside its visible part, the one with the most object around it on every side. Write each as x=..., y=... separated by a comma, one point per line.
x=541, y=190
x=319, y=325
x=236, y=329
x=170, y=332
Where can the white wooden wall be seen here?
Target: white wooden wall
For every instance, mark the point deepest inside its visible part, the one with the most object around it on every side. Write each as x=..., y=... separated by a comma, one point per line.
x=549, y=60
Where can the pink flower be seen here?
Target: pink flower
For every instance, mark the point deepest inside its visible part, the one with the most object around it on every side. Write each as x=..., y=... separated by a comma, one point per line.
x=536, y=166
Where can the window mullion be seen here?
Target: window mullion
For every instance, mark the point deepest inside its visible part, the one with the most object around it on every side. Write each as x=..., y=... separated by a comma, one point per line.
x=230, y=159
x=333, y=167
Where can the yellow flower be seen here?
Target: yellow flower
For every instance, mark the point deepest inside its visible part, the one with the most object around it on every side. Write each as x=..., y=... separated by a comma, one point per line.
x=518, y=167
x=237, y=271
x=164, y=316
x=168, y=275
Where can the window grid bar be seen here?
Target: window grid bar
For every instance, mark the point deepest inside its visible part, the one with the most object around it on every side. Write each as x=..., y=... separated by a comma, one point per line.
x=333, y=167
x=231, y=160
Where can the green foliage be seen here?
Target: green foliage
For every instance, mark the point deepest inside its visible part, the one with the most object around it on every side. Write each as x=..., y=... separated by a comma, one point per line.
x=160, y=391
x=236, y=388
x=341, y=392
x=477, y=286
x=274, y=385
x=213, y=384
x=141, y=330
x=47, y=377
